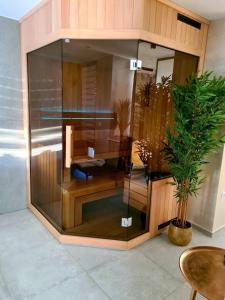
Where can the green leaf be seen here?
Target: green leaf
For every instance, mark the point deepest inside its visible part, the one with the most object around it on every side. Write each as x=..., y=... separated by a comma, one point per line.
x=199, y=113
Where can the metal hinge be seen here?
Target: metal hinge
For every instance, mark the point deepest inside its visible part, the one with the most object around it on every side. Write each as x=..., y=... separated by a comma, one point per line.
x=135, y=64
x=126, y=222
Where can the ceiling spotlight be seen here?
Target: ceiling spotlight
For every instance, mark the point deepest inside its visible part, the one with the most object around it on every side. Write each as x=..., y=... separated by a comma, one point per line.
x=67, y=41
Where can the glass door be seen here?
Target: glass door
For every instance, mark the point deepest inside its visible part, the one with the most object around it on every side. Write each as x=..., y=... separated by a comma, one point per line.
x=98, y=80
x=151, y=114
x=159, y=68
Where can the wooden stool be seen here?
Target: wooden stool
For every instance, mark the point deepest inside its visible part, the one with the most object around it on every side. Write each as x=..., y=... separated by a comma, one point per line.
x=204, y=269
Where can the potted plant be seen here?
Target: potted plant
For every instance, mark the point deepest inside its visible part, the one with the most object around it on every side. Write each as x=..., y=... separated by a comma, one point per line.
x=199, y=113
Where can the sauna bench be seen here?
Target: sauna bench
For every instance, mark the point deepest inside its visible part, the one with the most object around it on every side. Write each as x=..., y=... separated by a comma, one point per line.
x=79, y=192
x=104, y=149
x=137, y=189
x=155, y=199
x=136, y=192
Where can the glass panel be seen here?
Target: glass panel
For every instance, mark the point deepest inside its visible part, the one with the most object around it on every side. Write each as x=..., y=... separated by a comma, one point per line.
x=153, y=112
x=184, y=65
x=97, y=93
x=95, y=154
x=153, y=106
x=45, y=107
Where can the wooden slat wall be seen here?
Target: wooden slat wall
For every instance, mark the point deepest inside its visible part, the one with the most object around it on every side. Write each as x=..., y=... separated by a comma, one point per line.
x=149, y=15
x=72, y=82
x=151, y=20
x=163, y=204
x=40, y=24
x=46, y=188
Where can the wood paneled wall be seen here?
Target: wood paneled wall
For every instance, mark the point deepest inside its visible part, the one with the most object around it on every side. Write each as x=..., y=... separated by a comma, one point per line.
x=72, y=85
x=163, y=204
x=184, y=66
x=151, y=20
x=45, y=184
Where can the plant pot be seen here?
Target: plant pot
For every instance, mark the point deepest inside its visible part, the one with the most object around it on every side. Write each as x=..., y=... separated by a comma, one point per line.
x=180, y=236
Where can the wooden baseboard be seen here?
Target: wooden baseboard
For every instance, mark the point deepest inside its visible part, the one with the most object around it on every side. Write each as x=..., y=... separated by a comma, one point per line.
x=86, y=241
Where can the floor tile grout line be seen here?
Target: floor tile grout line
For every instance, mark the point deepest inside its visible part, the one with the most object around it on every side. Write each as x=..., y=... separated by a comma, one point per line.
x=105, y=293
x=108, y=262
x=164, y=298
x=159, y=267
x=5, y=284
x=73, y=258
x=65, y=280
x=182, y=286
x=14, y=222
x=166, y=271
x=30, y=248
x=53, y=285
x=99, y=265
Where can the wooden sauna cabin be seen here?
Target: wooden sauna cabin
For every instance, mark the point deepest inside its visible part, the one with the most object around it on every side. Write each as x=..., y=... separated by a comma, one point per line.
x=98, y=76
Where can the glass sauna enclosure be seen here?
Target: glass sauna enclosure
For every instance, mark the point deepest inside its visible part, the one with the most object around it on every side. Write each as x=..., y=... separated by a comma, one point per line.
x=98, y=112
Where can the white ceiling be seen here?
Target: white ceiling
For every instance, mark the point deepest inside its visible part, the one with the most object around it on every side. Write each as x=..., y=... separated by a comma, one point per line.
x=210, y=9
x=16, y=9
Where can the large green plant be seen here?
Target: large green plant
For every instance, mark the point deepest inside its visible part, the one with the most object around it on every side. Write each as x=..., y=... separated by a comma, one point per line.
x=199, y=113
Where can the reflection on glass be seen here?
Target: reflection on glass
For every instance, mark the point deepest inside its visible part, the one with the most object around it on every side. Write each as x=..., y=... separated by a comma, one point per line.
x=153, y=112
x=45, y=93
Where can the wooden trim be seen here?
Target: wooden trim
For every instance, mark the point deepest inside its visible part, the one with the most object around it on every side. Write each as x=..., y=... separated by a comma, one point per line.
x=165, y=58
x=44, y=24
x=33, y=10
x=162, y=59
x=44, y=42
x=166, y=2
x=147, y=69
x=185, y=11
x=203, y=50
x=24, y=76
x=126, y=34
x=161, y=211
x=168, y=43
x=138, y=240
x=68, y=146
x=94, y=242
x=45, y=222
x=115, y=34
x=86, y=241
x=56, y=15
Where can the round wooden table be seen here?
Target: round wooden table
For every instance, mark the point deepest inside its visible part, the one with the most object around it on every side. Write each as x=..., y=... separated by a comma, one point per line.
x=204, y=269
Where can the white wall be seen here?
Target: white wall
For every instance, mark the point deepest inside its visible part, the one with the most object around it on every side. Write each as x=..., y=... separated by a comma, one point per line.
x=215, y=53
x=208, y=209
x=12, y=143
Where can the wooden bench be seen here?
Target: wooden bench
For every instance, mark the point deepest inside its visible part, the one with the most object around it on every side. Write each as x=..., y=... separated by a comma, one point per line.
x=79, y=192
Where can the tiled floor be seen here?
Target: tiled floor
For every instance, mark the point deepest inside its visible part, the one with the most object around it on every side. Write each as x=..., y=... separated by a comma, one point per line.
x=34, y=266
